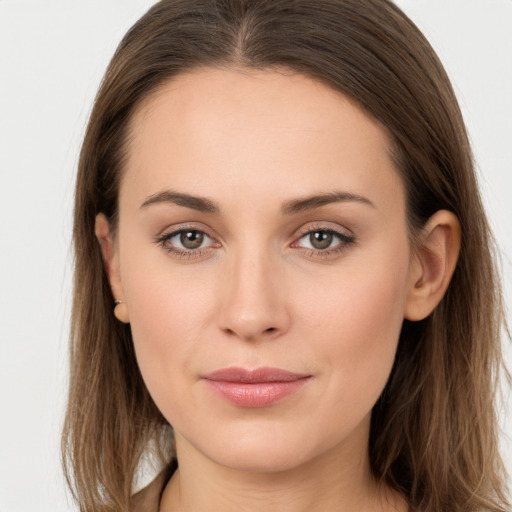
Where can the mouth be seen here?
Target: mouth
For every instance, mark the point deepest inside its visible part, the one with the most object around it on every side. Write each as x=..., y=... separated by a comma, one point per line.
x=260, y=387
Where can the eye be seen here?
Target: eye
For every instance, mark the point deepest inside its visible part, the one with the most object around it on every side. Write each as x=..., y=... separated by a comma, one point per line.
x=186, y=242
x=319, y=239
x=324, y=241
x=190, y=239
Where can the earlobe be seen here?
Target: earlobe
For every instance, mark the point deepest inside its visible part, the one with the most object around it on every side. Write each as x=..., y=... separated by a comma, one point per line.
x=110, y=260
x=433, y=265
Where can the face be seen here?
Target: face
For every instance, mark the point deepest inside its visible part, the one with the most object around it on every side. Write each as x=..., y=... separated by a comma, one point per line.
x=263, y=257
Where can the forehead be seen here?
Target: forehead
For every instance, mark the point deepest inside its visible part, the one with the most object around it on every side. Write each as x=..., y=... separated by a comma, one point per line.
x=248, y=130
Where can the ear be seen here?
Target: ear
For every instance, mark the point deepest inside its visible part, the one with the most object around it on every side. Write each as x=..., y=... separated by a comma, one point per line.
x=111, y=262
x=433, y=264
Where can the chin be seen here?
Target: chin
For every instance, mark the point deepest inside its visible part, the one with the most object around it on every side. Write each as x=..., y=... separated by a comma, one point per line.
x=261, y=447
x=261, y=459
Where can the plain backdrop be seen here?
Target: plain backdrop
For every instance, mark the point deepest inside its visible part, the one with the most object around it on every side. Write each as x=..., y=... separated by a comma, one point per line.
x=52, y=57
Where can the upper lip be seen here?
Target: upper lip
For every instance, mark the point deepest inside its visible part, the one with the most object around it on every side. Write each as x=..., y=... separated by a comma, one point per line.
x=258, y=375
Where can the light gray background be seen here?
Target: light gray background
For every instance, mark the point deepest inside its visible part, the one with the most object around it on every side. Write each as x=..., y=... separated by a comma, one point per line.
x=52, y=56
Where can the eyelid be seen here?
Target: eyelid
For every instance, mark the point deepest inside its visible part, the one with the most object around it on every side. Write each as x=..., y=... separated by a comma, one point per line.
x=324, y=226
x=170, y=232
x=184, y=226
x=344, y=235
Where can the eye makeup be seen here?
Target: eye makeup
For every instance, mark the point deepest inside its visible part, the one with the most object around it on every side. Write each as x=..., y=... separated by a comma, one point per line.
x=315, y=241
x=321, y=241
x=187, y=242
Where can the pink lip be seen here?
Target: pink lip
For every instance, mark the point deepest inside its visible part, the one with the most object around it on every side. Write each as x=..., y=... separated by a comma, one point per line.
x=254, y=388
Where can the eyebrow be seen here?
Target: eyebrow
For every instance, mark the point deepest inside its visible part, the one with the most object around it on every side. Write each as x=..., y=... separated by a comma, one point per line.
x=188, y=201
x=316, y=201
x=291, y=207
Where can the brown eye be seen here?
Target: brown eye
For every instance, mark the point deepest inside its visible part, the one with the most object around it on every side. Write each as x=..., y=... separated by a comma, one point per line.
x=187, y=243
x=321, y=239
x=191, y=239
x=324, y=241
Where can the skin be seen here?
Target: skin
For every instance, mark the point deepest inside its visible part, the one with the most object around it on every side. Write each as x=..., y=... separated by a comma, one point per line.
x=258, y=293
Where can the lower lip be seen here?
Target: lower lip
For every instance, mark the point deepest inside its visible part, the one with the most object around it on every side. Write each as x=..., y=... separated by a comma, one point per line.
x=258, y=394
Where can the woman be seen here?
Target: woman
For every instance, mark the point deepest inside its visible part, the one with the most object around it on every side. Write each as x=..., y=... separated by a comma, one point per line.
x=285, y=288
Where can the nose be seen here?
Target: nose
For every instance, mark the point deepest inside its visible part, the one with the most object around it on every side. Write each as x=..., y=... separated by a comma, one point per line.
x=252, y=304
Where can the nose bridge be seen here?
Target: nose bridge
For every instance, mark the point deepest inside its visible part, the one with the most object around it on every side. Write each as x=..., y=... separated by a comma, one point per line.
x=251, y=305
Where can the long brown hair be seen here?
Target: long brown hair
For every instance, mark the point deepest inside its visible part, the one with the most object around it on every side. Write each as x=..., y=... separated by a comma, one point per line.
x=434, y=434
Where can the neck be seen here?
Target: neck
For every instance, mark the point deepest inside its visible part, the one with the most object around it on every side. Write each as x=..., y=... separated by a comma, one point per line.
x=338, y=480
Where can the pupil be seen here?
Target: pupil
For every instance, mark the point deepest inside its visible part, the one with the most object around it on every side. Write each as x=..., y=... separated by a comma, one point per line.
x=191, y=239
x=320, y=239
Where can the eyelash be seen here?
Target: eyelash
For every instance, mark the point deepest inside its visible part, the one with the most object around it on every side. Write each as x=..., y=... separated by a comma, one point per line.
x=163, y=241
x=344, y=241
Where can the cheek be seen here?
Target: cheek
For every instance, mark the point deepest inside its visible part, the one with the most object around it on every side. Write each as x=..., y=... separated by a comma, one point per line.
x=355, y=323
x=168, y=317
